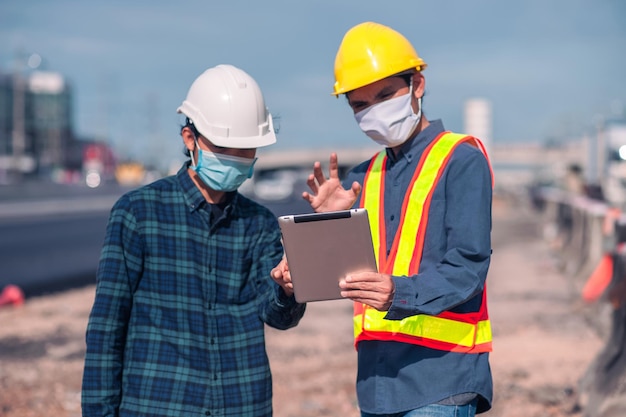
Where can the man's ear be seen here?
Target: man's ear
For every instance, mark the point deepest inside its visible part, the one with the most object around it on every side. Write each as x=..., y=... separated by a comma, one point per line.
x=419, y=84
x=189, y=139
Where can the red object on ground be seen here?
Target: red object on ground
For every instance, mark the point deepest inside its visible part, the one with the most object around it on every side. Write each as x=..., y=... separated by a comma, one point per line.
x=599, y=279
x=11, y=295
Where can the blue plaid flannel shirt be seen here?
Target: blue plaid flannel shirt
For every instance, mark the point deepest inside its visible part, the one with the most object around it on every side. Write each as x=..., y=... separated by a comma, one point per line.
x=177, y=325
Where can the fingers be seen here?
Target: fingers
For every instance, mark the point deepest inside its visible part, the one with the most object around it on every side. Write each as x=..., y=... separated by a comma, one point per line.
x=281, y=271
x=372, y=299
x=368, y=287
x=318, y=174
x=364, y=277
x=328, y=194
x=278, y=272
x=312, y=183
x=356, y=188
x=362, y=288
x=333, y=166
x=281, y=275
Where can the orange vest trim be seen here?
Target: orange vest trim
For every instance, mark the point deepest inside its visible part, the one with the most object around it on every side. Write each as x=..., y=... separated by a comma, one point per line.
x=457, y=332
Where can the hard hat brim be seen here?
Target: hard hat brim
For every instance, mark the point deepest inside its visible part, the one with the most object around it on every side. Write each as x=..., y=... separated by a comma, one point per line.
x=220, y=136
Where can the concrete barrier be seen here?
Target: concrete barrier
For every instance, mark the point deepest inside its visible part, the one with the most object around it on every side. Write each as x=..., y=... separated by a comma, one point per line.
x=573, y=227
x=603, y=385
x=581, y=232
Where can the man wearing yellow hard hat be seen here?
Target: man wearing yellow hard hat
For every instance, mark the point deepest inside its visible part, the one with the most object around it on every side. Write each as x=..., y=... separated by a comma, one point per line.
x=421, y=325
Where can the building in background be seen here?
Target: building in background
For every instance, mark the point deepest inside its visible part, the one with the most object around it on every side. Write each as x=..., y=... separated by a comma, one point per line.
x=477, y=120
x=37, y=138
x=48, y=122
x=7, y=154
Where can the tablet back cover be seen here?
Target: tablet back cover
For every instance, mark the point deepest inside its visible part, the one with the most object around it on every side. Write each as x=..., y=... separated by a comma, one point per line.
x=322, y=248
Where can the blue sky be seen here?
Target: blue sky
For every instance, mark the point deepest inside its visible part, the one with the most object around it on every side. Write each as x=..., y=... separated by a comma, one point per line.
x=548, y=67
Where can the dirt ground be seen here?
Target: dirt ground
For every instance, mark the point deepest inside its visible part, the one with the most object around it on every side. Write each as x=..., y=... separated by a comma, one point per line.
x=542, y=342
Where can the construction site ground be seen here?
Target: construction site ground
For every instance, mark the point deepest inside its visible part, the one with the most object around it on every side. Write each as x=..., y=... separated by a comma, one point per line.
x=543, y=341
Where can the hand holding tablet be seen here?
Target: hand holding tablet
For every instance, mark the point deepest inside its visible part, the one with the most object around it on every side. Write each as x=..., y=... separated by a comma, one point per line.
x=322, y=248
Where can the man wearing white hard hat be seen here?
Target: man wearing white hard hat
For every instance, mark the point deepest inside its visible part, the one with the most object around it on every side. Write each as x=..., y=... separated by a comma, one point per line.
x=183, y=286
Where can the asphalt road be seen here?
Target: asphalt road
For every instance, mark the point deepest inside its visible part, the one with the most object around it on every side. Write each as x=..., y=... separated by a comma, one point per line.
x=45, y=253
x=51, y=236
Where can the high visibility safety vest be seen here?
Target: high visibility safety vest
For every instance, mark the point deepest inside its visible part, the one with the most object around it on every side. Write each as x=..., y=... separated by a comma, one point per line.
x=449, y=331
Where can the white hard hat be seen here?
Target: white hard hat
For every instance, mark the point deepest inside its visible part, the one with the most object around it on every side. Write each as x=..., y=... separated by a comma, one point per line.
x=227, y=107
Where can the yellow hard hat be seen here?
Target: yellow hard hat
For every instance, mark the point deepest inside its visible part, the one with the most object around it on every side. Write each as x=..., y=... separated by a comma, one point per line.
x=370, y=52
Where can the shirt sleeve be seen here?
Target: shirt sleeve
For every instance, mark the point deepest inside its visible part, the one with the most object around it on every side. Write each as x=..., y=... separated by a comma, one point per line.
x=457, y=278
x=119, y=270
x=277, y=309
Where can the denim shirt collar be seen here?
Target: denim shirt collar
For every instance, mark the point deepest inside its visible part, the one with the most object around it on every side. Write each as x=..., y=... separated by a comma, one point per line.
x=412, y=148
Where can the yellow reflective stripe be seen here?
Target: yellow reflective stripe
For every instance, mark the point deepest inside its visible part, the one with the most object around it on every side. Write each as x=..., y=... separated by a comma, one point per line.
x=372, y=200
x=483, y=332
x=431, y=327
x=419, y=192
x=449, y=331
x=410, y=226
x=358, y=320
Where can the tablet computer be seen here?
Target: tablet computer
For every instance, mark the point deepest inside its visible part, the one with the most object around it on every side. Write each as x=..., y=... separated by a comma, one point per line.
x=322, y=248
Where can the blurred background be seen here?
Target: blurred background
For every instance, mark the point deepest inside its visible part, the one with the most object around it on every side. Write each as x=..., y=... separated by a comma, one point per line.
x=88, y=98
x=89, y=91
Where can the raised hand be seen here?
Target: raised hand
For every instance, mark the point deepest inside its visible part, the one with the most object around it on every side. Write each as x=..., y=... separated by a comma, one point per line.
x=327, y=194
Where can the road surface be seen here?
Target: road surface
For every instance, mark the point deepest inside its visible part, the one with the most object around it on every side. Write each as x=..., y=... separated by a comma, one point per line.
x=542, y=342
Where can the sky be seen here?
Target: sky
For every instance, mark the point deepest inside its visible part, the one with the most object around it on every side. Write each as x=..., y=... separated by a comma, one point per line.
x=550, y=68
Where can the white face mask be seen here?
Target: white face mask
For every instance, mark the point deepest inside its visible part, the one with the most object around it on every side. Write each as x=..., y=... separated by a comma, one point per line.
x=391, y=122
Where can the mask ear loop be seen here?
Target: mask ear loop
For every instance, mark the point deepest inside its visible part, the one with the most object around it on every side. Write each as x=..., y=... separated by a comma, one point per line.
x=419, y=100
x=189, y=124
x=195, y=141
x=419, y=108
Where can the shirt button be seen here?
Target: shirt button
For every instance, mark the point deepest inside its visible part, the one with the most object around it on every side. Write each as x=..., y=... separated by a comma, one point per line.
x=207, y=413
x=392, y=217
x=212, y=341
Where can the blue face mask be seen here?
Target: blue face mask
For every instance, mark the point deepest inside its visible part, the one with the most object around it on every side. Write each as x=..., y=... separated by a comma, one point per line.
x=222, y=172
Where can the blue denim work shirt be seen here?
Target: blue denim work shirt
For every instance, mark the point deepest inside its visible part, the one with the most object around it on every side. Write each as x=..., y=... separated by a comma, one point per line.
x=395, y=377
x=177, y=326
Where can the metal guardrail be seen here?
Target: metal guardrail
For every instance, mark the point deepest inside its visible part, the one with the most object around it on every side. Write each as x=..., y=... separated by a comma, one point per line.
x=38, y=198
x=573, y=227
x=584, y=232
x=56, y=206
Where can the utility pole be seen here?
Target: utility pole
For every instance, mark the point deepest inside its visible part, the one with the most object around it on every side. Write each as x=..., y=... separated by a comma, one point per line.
x=18, y=135
x=602, y=147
